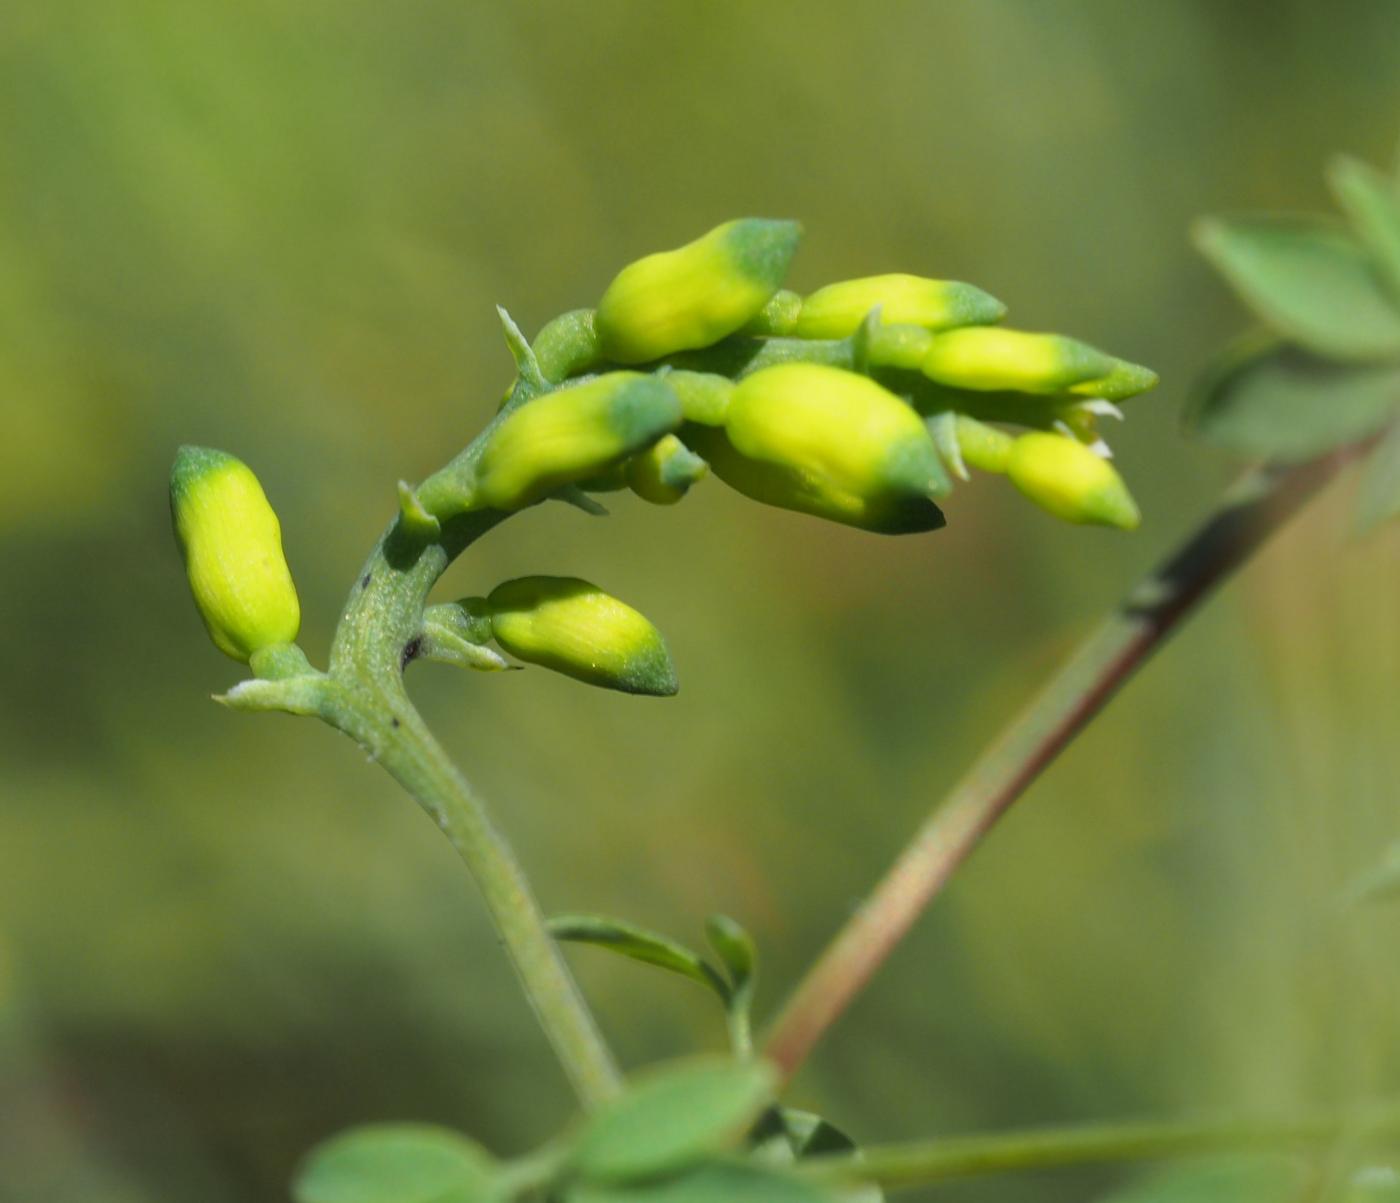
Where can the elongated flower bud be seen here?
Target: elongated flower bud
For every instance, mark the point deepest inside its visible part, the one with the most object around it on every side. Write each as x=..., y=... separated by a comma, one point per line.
x=575, y=628
x=664, y=472
x=571, y=435
x=987, y=359
x=838, y=309
x=232, y=546
x=694, y=296
x=828, y=442
x=1066, y=478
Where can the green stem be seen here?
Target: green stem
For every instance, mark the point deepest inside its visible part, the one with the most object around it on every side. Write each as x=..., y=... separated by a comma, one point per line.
x=379, y=634
x=1251, y=512
x=376, y=640
x=917, y=1164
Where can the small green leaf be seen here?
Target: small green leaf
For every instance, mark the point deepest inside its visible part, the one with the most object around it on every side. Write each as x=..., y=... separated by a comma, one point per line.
x=718, y=1182
x=672, y=1117
x=639, y=944
x=740, y=956
x=395, y=1163
x=1373, y=208
x=1308, y=279
x=1378, y=498
x=1261, y=1180
x=1284, y=403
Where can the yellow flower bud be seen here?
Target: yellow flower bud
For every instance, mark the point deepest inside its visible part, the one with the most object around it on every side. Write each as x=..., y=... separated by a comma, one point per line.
x=575, y=628
x=571, y=435
x=838, y=309
x=1066, y=478
x=694, y=296
x=664, y=472
x=232, y=547
x=829, y=442
x=987, y=359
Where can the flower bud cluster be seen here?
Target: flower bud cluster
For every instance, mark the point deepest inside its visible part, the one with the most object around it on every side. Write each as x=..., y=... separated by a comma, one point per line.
x=858, y=402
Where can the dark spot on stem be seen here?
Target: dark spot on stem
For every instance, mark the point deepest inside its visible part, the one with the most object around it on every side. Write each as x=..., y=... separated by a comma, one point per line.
x=410, y=652
x=364, y=581
x=393, y=722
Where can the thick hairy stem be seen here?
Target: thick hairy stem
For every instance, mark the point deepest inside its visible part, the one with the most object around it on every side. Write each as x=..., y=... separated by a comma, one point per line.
x=917, y=1164
x=1258, y=505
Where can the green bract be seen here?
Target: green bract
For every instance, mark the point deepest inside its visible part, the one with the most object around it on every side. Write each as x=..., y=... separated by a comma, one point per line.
x=694, y=296
x=575, y=628
x=838, y=309
x=232, y=546
x=572, y=434
x=831, y=443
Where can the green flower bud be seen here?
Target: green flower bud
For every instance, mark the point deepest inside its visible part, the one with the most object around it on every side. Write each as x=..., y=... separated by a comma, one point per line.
x=575, y=628
x=1066, y=478
x=664, y=472
x=838, y=309
x=232, y=547
x=570, y=435
x=987, y=359
x=1124, y=380
x=831, y=443
x=694, y=296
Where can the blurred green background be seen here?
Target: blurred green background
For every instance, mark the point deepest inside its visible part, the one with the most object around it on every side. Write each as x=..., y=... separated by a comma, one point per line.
x=280, y=229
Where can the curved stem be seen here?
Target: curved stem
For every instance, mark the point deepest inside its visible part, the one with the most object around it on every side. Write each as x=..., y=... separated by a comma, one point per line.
x=378, y=637
x=1251, y=512
x=917, y=1164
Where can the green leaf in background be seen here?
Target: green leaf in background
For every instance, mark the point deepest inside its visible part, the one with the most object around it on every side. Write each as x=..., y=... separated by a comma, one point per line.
x=1379, y=883
x=1282, y=402
x=1308, y=279
x=1372, y=205
x=672, y=1117
x=1373, y=1184
x=639, y=944
x=395, y=1163
x=737, y=950
x=1378, y=498
x=1262, y=1180
x=718, y=1182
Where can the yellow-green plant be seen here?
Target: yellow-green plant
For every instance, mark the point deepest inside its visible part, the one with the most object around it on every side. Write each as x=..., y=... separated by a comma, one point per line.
x=860, y=403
